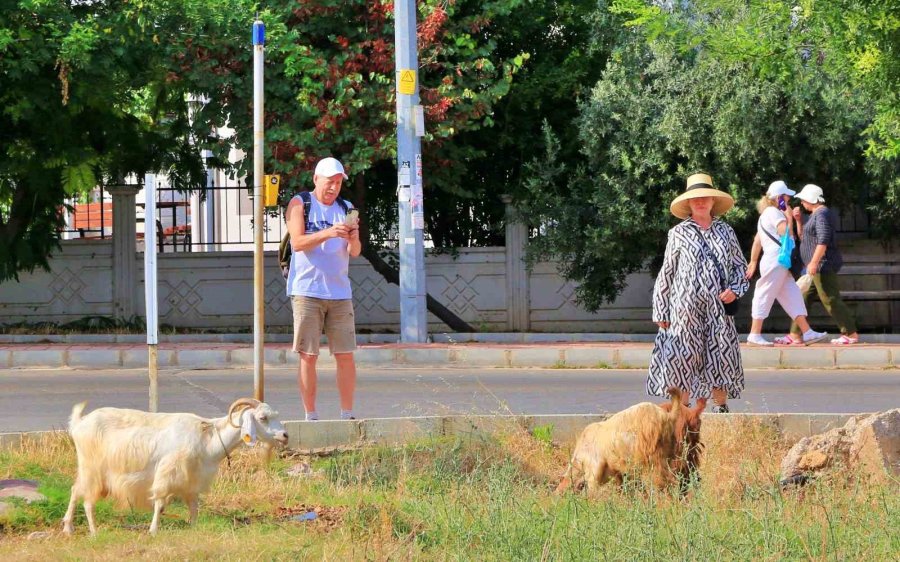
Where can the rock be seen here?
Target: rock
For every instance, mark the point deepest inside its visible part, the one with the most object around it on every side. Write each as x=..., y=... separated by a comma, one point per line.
x=26, y=493
x=867, y=444
x=18, y=483
x=302, y=470
x=5, y=508
x=39, y=535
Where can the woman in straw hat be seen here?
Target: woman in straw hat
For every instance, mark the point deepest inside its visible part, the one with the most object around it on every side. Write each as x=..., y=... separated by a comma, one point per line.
x=696, y=348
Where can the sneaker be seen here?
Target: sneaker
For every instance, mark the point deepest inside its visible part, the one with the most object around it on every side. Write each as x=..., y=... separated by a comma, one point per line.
x=811, y=336
x=720, y=409
x=757, y=339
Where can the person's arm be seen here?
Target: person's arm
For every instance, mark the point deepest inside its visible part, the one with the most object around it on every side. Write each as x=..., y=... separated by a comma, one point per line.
x=300, y=241
x=798, y=220
x=664, y=281
x=813, y=266
x=737, y=283
x=755, y=252
x=824, y=237
x=355, y=245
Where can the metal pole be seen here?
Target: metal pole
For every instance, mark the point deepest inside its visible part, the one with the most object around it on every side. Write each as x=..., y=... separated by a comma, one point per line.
x=413, y=321
x=259, y=303
x=209, y=224
x=150, y=297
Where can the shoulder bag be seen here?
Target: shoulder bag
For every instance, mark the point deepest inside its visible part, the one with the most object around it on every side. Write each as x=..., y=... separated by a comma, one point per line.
x=732, y=307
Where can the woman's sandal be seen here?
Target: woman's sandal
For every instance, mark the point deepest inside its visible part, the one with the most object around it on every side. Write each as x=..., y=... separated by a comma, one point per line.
x=844, y=340
x=788, y=340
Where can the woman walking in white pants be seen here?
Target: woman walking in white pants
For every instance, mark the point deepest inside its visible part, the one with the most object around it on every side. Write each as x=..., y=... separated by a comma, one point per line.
x=775, y=281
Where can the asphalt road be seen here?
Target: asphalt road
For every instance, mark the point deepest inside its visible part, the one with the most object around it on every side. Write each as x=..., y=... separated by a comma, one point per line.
x=42, y=399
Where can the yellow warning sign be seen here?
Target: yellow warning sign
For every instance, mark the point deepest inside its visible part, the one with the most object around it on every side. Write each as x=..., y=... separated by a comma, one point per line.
x=407, y=82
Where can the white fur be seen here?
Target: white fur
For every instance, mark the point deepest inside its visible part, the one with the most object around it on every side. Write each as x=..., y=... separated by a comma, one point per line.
x=144, y=459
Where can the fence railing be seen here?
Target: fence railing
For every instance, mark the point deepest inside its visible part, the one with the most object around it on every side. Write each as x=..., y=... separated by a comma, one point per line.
x=89, y=218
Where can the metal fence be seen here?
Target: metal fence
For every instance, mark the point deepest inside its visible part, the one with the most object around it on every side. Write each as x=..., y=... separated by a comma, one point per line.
x=216, y=218
x=88, y=216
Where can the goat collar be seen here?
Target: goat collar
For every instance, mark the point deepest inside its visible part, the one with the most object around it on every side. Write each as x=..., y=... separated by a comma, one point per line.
x=224, y=448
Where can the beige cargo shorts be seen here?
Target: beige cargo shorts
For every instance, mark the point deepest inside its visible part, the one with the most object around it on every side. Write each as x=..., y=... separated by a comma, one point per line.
x=312, y=315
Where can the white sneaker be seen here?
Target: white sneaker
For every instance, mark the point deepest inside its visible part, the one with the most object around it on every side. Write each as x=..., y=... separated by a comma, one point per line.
x=757, y=339
x=811, y=336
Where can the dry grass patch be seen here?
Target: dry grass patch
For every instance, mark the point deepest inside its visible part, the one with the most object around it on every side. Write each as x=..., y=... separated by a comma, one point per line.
x=484, y=496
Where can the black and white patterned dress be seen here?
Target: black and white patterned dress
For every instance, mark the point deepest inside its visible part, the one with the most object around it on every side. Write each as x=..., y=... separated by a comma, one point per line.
x=699, y=350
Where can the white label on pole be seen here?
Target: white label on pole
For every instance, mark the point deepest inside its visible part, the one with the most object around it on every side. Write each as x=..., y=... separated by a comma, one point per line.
x=409, y=240
x=418, y=220
x=419, y=167
x=403, y=194
x=419, y=120
x=404, y=174
x=150, y=294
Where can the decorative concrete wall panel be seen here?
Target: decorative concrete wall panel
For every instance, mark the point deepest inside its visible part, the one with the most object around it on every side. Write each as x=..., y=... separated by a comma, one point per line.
x=78, y=284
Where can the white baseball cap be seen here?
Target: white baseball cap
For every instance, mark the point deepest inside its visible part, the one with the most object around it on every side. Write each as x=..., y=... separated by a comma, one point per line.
x=329, y=167
x=779, y=188
x=811, y=193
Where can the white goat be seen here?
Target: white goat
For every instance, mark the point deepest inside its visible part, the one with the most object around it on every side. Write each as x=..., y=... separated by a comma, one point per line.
x=142, y=459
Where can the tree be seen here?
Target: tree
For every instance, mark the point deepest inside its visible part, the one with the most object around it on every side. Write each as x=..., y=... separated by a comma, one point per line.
x=330, y=91
x=662, y=111
x=84, y=101
x=561, y=58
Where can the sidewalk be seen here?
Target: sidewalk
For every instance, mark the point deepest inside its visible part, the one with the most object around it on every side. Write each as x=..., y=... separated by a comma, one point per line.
x=603, y=351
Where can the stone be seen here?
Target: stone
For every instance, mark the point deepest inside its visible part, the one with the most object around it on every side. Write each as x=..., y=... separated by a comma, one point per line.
x=301, y=469
x=866, y=444
x=39, y=535
x=5, y=508
x=22, y=489
x=22, y=492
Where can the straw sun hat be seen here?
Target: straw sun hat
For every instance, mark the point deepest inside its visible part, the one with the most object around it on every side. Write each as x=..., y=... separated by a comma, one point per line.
x=701, y=185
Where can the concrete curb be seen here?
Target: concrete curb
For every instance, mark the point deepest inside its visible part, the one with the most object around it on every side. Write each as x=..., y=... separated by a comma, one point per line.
x=597, y=356
x=565, y=428
x=363, y=339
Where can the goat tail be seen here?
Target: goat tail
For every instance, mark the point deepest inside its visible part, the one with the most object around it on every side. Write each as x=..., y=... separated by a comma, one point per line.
x=675, y=394
x=77, y=410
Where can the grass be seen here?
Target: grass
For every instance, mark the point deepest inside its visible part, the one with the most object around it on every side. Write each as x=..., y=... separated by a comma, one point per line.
x=478, y=497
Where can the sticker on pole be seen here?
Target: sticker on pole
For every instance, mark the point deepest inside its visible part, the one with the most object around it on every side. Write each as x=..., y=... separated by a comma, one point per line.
x=407, y=82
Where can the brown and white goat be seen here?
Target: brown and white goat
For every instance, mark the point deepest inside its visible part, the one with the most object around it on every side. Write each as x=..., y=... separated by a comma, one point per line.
x=145, y=460
x=644, y=438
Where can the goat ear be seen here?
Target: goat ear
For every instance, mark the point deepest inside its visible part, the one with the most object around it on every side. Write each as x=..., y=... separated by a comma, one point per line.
x=701, y=405
x=248, y=428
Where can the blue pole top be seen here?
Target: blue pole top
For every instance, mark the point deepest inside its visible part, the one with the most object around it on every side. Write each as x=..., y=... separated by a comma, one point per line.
x=259, y=33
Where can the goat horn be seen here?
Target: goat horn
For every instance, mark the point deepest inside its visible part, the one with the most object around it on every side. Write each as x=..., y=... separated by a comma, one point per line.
x=246, y=403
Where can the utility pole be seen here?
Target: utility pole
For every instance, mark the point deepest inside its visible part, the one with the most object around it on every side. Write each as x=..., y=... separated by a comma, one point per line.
x=410, y=126
x=259, y=302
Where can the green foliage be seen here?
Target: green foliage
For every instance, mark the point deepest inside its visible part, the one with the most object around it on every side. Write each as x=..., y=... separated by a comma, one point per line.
x=543, y=434
x=330, y=89
x=562, y=53
x=69, y=117
x=721, y=87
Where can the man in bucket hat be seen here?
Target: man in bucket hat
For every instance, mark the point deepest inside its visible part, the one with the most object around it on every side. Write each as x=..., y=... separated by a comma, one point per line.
x=820, y=253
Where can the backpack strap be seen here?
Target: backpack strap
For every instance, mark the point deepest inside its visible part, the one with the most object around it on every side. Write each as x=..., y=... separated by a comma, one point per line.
x=306, y=196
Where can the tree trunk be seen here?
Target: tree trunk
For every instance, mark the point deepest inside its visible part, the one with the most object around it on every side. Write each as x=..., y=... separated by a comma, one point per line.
x=391, y=275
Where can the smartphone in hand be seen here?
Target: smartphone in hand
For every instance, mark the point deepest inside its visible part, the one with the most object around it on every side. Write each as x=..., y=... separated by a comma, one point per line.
x=352, y=217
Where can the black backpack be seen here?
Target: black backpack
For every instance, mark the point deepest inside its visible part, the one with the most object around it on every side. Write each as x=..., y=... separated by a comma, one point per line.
x=284, y=248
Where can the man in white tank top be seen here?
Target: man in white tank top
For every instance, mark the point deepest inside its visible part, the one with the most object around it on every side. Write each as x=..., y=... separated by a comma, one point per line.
x=319, y=283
